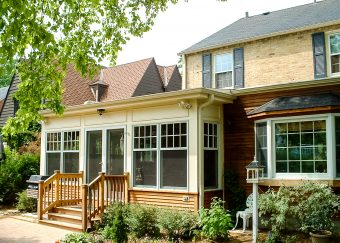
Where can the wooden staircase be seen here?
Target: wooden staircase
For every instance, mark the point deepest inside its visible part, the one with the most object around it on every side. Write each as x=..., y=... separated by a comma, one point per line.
x=66, y=217
x=66, y=202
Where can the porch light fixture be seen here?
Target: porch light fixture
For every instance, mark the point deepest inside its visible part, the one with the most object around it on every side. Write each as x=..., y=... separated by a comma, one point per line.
x=100, y=111
x=254, y=175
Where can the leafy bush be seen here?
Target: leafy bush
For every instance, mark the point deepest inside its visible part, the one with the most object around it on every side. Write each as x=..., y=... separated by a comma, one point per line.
x=81, y=238
x=118, y=231
x=177, y=224
x=110, y=213
x=215, y=222
x=312, y=205
x=14, y=171
x=142, y=221
x=26, y=204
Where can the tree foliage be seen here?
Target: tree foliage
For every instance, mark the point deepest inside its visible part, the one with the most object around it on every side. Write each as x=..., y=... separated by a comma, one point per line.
x=47, y=35
x=7, y=70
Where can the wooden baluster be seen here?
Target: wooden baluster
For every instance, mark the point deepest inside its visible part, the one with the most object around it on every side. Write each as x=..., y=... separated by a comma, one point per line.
x=84, y=207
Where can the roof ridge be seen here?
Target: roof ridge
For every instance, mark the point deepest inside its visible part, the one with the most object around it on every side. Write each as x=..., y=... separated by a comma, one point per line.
x=129, y=63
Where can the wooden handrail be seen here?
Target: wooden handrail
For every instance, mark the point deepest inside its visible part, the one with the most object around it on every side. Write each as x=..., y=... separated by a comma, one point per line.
x=104, y=190
x=59, y=189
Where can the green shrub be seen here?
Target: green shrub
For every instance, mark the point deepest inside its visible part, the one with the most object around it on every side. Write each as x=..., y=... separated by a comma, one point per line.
x=26, y=204
x=312, y=206
x=81, y=238
x=177, y=224
x=118, y=231
x=110, y=213
x=14, y=171
x=215, y=222
x=142, y=221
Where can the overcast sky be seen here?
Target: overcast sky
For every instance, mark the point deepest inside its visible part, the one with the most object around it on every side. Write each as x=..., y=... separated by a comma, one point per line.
x=186, y=23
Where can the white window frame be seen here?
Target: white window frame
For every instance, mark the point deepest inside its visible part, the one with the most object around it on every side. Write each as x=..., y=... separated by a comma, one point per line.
x=61, y=151
x=104, y=130
x=330, y=142
x=216, y=148
x=224, y=71
x=328, y=53
x=158, y=159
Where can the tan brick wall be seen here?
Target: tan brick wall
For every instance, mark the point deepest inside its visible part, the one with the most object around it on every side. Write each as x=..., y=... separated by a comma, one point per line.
x=275, y=60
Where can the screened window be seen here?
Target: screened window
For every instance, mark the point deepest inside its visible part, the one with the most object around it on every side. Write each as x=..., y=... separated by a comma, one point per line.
x=224, y=70
x=261, y=145
x=300, y=147
x=145, y=155
x=210, y=156
x=62, y=152
x=160, y=150
x=334, y=43
x=173, y=155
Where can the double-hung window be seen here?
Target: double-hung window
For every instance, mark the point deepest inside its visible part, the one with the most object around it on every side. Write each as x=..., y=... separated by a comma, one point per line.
x=210, y=156
x=62, y=152
x=334, y=46
x=160, y=155
x=223, y=70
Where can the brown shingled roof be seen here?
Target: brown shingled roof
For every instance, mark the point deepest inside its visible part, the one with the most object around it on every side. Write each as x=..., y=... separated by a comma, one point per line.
x=123, y=81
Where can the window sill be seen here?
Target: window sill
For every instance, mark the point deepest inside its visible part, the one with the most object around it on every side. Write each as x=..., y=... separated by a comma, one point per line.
x=180, y=191
x=295, y=182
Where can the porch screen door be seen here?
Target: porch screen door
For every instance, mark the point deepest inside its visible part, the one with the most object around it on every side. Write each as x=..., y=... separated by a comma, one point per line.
x=93, y=154
x=115, y=152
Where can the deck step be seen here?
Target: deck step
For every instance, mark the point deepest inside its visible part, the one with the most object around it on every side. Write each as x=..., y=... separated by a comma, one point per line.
x=68, y=210
x=63, y=225
x=68, y=218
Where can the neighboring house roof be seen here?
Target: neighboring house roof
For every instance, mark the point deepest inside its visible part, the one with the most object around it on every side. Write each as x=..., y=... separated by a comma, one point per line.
x=123, y=81
x=7, y=109
x=271, y=23
x=298, y=102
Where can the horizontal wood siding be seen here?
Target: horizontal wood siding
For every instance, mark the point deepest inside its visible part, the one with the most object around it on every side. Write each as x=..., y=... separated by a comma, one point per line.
x=208, y=195
x=8, y=107
x=165, y=199
x=239, y=144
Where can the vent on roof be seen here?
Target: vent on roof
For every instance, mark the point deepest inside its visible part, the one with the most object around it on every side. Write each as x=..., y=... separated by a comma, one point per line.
x=98, y=88
x=247, y=15
x=266, y=13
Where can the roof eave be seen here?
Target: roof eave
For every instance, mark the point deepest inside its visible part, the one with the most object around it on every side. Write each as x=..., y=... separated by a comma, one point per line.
x=144, y=101
x=273, y=34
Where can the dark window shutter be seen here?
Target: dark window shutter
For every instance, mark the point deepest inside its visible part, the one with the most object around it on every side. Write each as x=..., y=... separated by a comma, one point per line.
x=319, y=54
x=238, y=68
x=206, y=70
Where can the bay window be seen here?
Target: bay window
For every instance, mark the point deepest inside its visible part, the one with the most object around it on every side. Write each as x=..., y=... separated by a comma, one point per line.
x=307, y=146
x=160, y=155
x=62, y=152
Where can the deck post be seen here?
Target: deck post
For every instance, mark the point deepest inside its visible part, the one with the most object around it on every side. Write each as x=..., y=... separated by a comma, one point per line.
x=84, y=189
x=40, y=199
x=81, y=177
x=126, y=186
x=102, y=200
x=57, y=190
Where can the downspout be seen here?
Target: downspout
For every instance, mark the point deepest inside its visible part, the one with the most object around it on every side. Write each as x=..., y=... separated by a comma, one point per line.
x=200, y=170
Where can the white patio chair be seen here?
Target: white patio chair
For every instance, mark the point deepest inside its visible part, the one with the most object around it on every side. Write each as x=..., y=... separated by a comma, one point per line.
x=246, y=214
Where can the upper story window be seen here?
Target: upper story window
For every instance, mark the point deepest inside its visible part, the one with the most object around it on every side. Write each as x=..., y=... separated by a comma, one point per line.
x=334, y=46
x=223, y=70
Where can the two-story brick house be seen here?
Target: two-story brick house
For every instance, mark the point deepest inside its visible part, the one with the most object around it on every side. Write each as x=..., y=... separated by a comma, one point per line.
x=282, y=68
x=267, y=85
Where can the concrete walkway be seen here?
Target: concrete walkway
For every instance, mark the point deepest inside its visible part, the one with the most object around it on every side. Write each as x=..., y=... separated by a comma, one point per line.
x=22, y=229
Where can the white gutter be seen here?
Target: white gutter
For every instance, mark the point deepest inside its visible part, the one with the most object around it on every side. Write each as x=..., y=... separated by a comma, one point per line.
x=200, y=161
